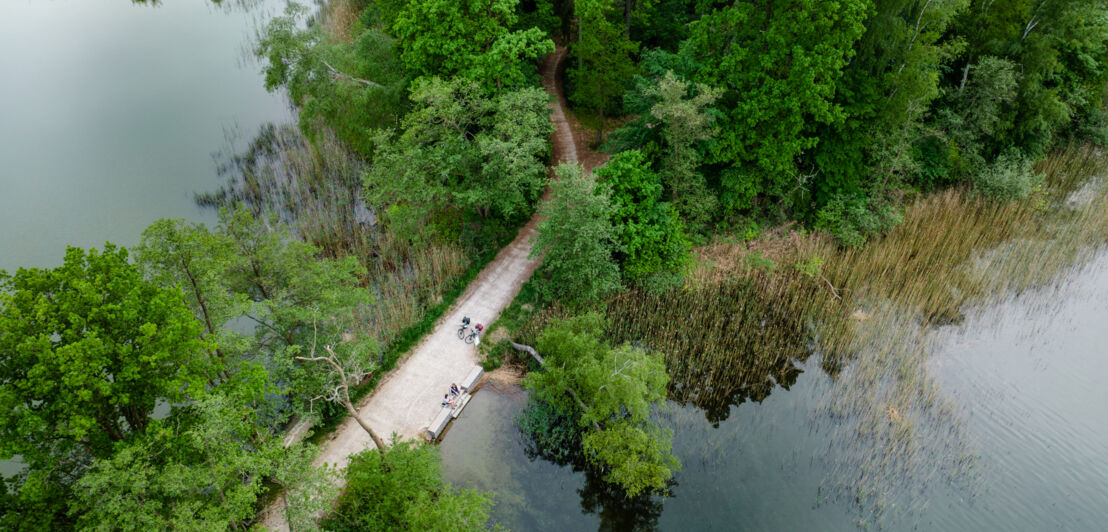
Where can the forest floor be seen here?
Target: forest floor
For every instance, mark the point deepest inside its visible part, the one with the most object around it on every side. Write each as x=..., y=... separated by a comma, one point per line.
x=409, y=397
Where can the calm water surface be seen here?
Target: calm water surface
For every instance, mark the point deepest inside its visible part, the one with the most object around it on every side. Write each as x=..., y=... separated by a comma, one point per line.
x=1026, y=376
x=110, y=113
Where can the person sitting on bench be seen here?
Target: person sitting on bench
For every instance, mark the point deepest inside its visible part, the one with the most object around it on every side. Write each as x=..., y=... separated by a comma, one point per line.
x=454, y=389
x=447, y=401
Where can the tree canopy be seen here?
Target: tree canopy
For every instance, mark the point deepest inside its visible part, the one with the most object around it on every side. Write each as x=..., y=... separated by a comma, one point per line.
x=611, y=391
x=89, y=350
x=576, y=240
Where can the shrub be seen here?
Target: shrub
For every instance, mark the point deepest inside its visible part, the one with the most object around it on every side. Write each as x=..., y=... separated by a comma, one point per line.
x=1010, y=177
x=852, y=220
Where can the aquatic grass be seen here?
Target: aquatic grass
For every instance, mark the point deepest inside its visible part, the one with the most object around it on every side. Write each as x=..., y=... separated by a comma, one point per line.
x=314, y=187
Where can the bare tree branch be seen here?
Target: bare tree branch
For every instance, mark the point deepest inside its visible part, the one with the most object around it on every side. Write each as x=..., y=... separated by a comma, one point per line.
x=340, y=74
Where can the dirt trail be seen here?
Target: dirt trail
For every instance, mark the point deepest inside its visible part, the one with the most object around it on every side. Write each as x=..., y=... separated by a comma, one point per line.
x=409, y=397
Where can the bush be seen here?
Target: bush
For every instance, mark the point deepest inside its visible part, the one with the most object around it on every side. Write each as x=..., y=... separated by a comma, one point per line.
x=852, y=220
x=403, y=490
x=1009, y=178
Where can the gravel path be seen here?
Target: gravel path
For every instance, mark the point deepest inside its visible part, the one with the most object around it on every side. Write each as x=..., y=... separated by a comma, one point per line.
x=409, y=397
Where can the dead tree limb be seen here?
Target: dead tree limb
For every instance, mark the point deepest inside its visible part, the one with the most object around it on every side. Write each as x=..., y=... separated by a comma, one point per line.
x=344, y=387
x=340, y=74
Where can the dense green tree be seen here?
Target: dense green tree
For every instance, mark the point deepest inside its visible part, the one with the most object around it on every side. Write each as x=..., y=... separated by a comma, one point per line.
x=684, y=115
x=403, y=490
x=469, y=38
x=654, y=247
x=175, y=253
x=576, y=240
x=1060, y=49
x=87, y=351
x=601, y=64
x=89, y=348
x=307, y=491
x=202, y=470
x=612, y=390
x=253, y=268
x=885, y=94
x=352, y=87
x=462, y=150
x=778, y=62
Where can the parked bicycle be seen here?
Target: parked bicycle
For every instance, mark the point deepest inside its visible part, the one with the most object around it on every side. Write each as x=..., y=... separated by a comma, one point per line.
x=472, y=336
x=462, y=329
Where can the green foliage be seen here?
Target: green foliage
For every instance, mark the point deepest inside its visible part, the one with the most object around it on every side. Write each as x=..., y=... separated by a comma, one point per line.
x=461, y=150
x=306, y=491
x=203, y=472
x=539, y=14
x=853, y=220
x=684, y=114
x=253, y=268
x=601, y=59
x=1010, y=177
x=778, y=63
x=471, y=39
x=352, y=87
x=885, y=93
x=1059, y=50
x=611, y=391
x=654, y=248
x=635, y=456
x=403, y=490
x=576, y=241
x=89, y=349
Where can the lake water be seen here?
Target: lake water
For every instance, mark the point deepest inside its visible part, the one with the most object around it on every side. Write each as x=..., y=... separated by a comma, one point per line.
x=110, y=113
x=1025, y=377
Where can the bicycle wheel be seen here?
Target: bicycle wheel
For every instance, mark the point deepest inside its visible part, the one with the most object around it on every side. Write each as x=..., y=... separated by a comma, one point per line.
x=469, y=339
x=462, y=333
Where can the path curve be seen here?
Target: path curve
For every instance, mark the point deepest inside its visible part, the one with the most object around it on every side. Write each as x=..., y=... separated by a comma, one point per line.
x=409, y=397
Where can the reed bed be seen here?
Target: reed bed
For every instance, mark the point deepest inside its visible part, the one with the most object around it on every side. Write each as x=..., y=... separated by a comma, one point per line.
x=314, y=187
x=404, y=294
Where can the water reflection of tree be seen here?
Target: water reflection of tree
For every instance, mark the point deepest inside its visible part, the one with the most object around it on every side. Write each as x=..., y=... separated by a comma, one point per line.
x=557, y=439
x=726, y=344
x=617, y=511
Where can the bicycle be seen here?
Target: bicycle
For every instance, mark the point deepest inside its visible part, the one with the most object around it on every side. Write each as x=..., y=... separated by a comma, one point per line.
x=462, y=329
x=473, y=334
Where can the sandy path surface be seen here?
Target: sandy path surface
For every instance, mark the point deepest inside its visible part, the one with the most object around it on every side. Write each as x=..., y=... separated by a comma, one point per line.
x=409, y=397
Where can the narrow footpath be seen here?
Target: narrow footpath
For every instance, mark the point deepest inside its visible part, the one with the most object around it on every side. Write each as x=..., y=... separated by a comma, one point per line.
x=409, y=397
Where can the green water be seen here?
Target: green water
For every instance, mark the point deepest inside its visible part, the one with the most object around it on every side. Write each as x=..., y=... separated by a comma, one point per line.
x=1025, y=377
x=110, y=113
